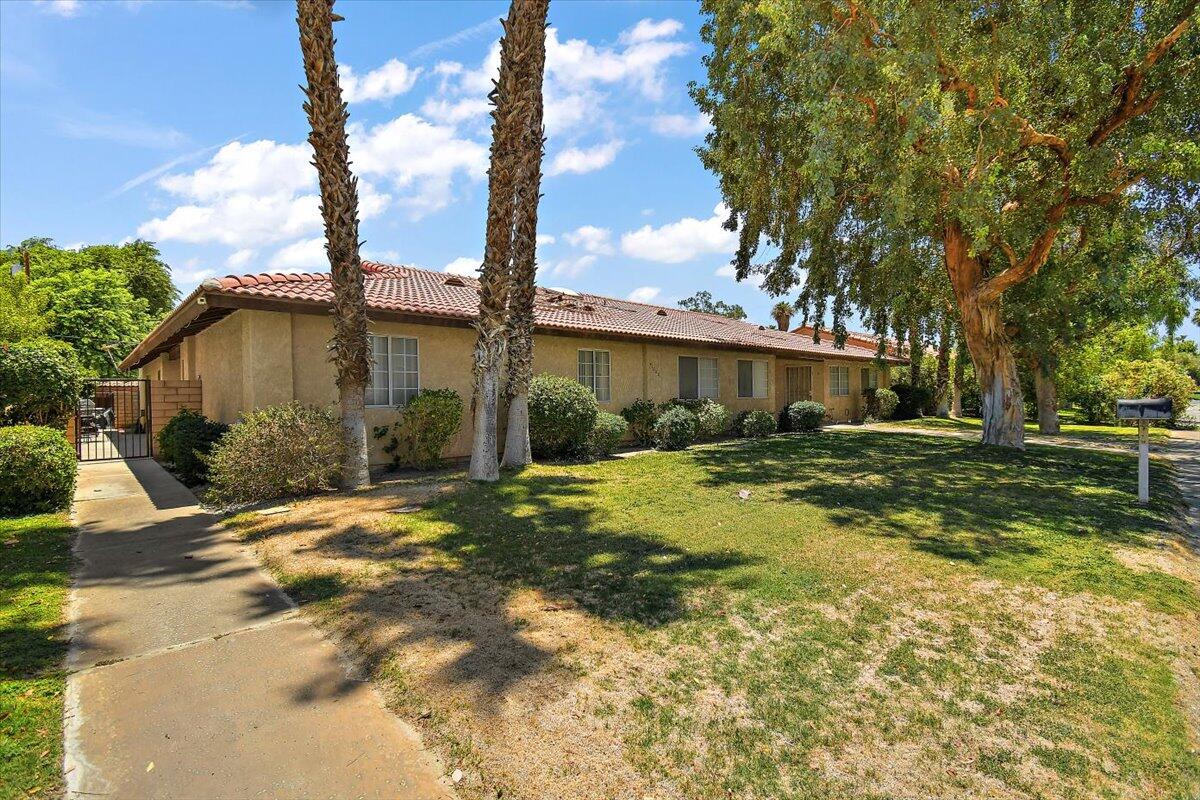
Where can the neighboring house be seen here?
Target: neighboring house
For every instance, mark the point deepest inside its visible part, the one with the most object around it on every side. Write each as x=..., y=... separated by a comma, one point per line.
x=258, y=340
x=856, y=338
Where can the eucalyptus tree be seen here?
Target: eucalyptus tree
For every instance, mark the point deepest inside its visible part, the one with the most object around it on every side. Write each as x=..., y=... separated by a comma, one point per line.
x=349, y=348
x=985, y=129
x=524, y=245
x=522, y=30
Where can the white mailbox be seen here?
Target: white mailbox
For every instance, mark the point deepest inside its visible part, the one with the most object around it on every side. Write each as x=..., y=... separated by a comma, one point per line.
x=1144, y=410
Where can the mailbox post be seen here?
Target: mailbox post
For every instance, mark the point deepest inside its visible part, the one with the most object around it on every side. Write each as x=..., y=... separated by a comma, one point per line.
x=1143, y=411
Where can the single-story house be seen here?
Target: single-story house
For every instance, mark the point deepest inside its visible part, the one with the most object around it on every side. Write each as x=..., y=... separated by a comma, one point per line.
x=257, y=340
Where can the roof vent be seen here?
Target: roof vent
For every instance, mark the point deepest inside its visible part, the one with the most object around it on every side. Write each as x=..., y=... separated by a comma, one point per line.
x=762, y=327
x=662, y=312
x=454, y=280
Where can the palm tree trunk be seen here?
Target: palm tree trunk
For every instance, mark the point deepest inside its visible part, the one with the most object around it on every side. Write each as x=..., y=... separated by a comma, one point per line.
x=524, y=251
x=349, y=348
x=495, y=277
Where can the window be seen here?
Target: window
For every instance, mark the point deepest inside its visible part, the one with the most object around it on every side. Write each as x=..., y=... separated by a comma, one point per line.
x=870, y=378
x=839, y=381
x=595, y=372
x=395, y=378
x=752, y=378
x=697, y=377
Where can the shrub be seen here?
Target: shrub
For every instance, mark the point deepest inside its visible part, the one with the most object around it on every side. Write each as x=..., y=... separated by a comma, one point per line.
x=757, y=424
x=185, y=442
x=37, y=470
x=40, y=380
x=910, y=400
x=712, y=418
x=562, y=413
x=607, y=433
x=641, y=416
x=805, y=415
x=880, y=403
x=1156, y=378
x=425, y=426
x=277, y=451
x=675, y=429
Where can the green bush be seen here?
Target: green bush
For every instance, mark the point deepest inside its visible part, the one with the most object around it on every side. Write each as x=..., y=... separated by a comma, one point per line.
x=607, y=433
x=641, y=416
x=675, y=429
x=40, y=380
x=185, y=442
x=425, y=426
x=37, y=470
x=1156, y=378
x=805, y=415
x=880, y=403
x=712, y=418
x=277, y=451
x=757, y=424
x=562, y=413
x=910, y=400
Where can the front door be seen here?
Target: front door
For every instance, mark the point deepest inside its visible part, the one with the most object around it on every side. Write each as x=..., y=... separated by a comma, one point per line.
x=799, y=384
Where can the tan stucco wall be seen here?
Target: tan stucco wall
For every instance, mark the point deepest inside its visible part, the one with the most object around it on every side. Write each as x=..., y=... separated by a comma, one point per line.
x=163, y=368
x=255, y=358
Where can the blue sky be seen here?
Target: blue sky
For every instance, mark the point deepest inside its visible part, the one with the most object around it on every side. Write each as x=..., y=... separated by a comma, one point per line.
x=182, y=123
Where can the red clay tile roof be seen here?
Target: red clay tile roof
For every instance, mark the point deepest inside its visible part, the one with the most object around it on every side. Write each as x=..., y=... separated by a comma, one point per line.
x=420, y=292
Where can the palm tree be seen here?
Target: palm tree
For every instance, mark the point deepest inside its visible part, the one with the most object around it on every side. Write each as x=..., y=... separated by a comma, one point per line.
x=496, y=273
x=782, y=314
x=349, y=348
x=524, y=246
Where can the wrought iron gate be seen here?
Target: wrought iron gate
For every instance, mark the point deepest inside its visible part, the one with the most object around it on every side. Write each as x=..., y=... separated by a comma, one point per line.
x=112, y=420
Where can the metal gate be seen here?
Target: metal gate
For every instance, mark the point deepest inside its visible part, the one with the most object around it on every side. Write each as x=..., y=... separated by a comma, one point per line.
x=112, y=420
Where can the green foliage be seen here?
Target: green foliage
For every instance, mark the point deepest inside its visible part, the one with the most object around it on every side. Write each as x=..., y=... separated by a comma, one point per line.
x=40, y=381
x=910, y=400
x=641, y=415
x=703, y=301
x=22, y=311
x=424, y=427
x=37, y=470
x=1157, y=378
x=95, y=313
x=185, y=442
x=607, y=433
x=881, y=403
x=805, y=415
x=562, y=413
x=756, y=424
x=277, y=451
x=712, y=418
x=675, y=429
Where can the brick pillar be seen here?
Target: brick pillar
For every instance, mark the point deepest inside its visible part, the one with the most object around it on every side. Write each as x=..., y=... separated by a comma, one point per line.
x=166, y=399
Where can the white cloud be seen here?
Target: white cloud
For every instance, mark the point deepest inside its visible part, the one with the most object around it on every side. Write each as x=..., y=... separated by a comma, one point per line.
x=161, y=169
x=464, y=265
x=648, y=29
x=390, y=80
x=680, y=125
x=264, y=167
x=573, y=267
x=640, y=64
x=489, y=25
x=455, y=112
x=545, y=238
x=307, y=255
x=645, y=294
x=580, y=160
x=240, y=258
x=591, y=239
x=190, y=273
x=681, y=241
x=61, y=8
x=381, y=256
x=82, y=124
x=726, y=271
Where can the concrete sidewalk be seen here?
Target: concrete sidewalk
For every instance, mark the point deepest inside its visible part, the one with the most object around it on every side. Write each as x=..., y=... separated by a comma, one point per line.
x=192, y=675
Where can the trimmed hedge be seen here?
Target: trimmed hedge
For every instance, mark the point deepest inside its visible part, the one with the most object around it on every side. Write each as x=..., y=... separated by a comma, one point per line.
x=185, y=442
x=426, y=425
x=712, y=418
x=675, y=429
x=805, y=415
x=641, y=415
x=40, y=381
x=607, y=433
x=757, y=424
x=277, y=451
x=562, y=413
x=37, y=470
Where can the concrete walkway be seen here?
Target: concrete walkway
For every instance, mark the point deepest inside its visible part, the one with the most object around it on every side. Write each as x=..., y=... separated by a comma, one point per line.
x=192, y=675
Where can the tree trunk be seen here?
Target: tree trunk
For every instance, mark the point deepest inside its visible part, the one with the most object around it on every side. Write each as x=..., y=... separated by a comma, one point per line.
x=1047, y=396
x=484, y=464
x=914, y=355
x=960, y=364
x=524, y=245
x=1002, y=406
x=350, y=348
x=942, y=384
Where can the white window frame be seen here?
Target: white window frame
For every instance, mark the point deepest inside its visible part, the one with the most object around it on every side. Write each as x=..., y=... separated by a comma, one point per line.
x=388, y=370
x=701, y=363
x=593, y=381
x=756, y=392
x=872, y=381
x=838, y=388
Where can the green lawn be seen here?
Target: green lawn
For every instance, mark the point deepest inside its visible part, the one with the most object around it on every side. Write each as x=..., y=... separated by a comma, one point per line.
x=1115, y=434
x=882, y=616
x=35, y=559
